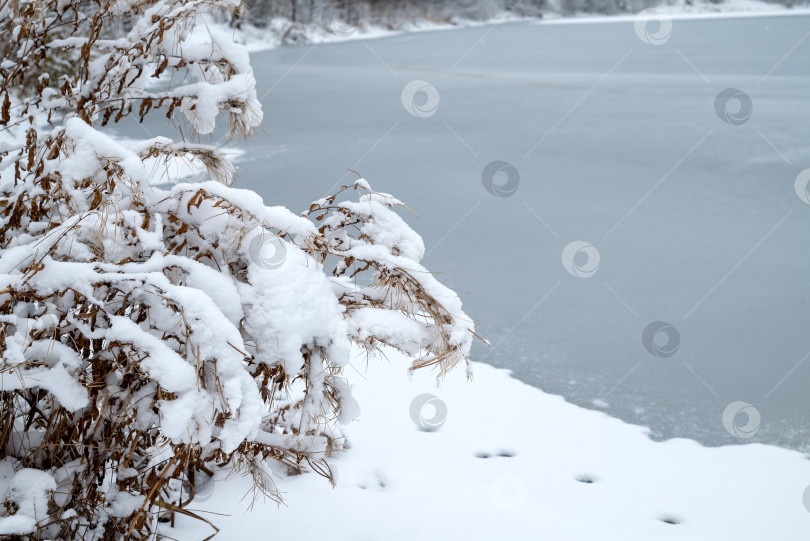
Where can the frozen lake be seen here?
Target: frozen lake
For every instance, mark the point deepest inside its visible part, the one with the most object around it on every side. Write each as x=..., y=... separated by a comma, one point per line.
x=617, y=144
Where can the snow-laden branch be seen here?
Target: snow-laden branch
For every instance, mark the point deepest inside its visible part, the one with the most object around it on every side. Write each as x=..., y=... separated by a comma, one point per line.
x=148, y=332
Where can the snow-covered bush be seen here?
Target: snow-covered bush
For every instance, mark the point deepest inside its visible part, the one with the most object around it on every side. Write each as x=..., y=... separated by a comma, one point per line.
x=148, y=333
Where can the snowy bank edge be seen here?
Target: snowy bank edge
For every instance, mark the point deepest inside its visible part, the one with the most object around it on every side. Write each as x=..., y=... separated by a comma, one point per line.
x=523, y=482
x=257, y=39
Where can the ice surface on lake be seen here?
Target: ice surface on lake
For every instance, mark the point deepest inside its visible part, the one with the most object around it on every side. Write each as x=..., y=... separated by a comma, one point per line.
x=694, y=220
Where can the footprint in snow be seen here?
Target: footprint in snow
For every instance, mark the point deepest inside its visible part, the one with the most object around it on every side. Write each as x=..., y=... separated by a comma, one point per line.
x=378, y=482
x=501, y=453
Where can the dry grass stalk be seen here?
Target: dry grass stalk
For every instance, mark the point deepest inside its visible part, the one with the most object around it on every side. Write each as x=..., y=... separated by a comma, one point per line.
x=141, y=249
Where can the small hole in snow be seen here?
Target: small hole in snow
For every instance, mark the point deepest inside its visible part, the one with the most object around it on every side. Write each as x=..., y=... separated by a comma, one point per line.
x=587, y=479
x=670, y=520
x=506, y=453
x=482, y=455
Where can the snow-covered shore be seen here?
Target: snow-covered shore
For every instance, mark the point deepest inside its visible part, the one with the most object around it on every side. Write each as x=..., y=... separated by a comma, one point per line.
x=279, y=31
x=512, y=462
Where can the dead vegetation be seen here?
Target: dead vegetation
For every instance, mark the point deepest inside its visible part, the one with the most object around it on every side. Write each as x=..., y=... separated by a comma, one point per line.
x=70, y=203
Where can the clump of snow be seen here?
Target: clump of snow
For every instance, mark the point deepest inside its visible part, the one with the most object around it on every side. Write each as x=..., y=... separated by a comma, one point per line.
x=29, y=490
x=17, y=525
x=600, y=403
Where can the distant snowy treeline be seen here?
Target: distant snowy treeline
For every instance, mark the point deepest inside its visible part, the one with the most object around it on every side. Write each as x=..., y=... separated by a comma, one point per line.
x=394, y=14
x=388, y=12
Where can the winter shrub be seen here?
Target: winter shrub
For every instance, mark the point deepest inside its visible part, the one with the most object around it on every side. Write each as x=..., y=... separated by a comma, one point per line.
x=152, y=333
